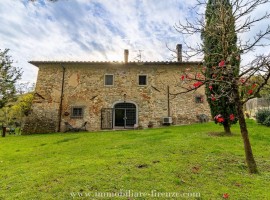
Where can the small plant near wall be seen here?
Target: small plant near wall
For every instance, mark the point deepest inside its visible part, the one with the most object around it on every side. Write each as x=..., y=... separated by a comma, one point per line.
x=150, y=124
x=267, y=121
x=262, y=115
x=199, y=99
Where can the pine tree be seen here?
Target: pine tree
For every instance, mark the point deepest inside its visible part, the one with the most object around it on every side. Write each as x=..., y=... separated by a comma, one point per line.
x=8, y=77
x=220, y=44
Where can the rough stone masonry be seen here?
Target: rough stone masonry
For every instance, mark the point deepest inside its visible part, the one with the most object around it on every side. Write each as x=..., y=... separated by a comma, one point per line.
x=112, y=95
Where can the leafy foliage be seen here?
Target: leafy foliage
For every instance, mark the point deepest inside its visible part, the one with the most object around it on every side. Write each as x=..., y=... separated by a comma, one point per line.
x=262, y=115
x=15, y=111
x=267, y=121
x=22, y=106
x=9, y=75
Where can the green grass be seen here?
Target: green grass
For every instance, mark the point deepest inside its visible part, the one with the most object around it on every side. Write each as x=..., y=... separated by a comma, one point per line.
x=183, y=159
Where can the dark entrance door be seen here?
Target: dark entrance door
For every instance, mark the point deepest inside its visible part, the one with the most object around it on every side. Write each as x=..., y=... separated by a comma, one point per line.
x=125, y=115
x=119, y=117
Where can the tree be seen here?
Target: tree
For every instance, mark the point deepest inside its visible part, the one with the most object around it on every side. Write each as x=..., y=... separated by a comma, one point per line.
x=217, y=48
x=25, y=87
x=265, y=92
x=9, y=75
x=23, y=105
x=21, y=108
x=234, y=84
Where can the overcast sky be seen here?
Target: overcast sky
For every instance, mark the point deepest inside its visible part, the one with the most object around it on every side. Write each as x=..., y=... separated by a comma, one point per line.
x=92, y=30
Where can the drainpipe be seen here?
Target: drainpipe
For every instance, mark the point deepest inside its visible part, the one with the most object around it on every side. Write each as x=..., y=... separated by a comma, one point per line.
x=168, y=99
x=61, y=99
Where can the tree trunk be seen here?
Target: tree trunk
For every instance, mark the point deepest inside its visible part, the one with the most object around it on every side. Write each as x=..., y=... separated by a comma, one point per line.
x=4, y=131
x=252, y=167
x=227, y=128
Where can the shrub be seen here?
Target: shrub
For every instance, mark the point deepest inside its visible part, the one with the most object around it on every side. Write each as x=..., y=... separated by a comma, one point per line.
x=150, y=124
x=267, y=121
x=261, y=115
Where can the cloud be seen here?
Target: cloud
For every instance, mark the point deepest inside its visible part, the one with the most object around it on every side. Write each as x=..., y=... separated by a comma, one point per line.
x=96, y=30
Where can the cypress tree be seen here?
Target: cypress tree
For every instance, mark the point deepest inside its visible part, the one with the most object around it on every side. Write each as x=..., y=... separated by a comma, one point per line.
x=220, y=44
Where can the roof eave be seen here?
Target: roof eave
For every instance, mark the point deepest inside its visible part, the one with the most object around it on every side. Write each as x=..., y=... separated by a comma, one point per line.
x=38, y=63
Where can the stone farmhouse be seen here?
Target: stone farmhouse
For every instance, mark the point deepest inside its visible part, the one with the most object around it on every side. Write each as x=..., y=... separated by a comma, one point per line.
x=112, y=95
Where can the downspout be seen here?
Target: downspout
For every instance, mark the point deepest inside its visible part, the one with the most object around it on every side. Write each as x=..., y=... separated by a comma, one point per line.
x=61, y=99
x=168, y=99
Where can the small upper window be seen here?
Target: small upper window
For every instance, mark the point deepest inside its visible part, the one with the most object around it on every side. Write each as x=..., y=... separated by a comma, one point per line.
x=108, y=79
x=77, y=112
x=142, y=80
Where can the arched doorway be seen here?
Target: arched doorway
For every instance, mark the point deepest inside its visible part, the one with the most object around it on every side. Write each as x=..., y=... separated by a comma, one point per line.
x=125, y=115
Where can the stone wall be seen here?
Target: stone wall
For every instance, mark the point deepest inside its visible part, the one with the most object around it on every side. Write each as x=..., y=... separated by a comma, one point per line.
x=84, y=86
x=44, y=114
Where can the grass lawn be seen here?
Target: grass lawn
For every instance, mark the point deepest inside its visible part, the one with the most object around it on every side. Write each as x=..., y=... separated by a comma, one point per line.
x=183, y=159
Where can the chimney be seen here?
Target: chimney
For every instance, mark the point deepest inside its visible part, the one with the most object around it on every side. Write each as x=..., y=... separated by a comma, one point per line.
x=126, y=56
x=179, y=52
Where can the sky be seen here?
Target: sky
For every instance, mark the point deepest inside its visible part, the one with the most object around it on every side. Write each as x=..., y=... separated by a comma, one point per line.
x=91, y=30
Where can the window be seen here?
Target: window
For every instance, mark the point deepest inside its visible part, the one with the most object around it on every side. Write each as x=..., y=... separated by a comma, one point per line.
x=108, y=79
x=142, y=80
x=77, y=112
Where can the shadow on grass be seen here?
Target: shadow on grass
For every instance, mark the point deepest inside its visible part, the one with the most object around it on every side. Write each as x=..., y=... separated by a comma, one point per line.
x=219, y=134
x=66, y=140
